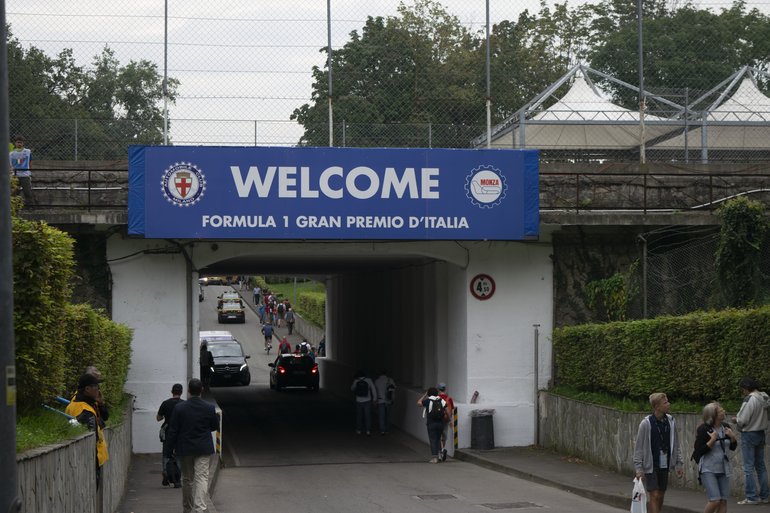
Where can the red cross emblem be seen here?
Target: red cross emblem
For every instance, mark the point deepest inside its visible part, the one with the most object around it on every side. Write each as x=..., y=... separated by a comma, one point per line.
x=183, y=183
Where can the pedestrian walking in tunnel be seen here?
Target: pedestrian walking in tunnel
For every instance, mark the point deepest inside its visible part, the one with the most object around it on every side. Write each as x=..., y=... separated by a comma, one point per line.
x=450, y=405
x=189, y=435
x=171, y=469
x=386, y=391
x=435, y=414
x=365, y=394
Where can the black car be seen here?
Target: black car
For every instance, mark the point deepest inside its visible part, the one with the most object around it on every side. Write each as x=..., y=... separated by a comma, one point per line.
x=230, y=365
x=294, y=370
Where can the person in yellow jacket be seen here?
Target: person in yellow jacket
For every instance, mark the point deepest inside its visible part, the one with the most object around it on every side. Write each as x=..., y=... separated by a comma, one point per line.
x=86, y=409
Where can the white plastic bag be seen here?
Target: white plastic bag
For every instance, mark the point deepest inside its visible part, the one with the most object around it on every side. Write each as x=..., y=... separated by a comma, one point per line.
x=638, y=497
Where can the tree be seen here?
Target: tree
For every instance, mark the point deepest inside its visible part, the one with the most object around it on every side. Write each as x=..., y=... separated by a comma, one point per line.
x=114, y=105
x=684, y=48
x=739, y=254
x=423, y=70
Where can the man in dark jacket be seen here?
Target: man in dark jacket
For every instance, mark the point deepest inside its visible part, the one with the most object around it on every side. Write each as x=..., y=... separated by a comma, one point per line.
x=190, y=435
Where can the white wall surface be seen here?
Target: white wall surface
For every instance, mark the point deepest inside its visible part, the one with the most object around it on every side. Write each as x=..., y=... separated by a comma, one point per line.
x=150, y=296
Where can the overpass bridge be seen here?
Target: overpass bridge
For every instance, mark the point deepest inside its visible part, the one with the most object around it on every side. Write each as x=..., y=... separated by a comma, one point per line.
x=95, y=193
x=408, y=306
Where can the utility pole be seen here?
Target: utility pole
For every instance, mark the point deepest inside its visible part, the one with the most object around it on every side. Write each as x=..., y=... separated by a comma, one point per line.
x=8, y=499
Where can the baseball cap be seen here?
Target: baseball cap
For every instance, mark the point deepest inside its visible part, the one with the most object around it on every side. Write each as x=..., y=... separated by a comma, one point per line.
x=441, y=386
x=88, y=380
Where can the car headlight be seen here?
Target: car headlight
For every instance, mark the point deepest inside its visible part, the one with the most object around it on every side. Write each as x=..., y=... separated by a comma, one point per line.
x=243, y=366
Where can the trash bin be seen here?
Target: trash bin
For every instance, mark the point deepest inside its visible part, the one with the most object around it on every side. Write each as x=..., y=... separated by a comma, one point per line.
x=482, y=430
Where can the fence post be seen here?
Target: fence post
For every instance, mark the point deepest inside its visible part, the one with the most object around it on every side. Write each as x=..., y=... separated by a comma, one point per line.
x=76, y=138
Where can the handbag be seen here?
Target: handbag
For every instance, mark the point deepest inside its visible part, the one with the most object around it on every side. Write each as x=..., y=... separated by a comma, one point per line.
x=162, y=433
x=638, y=497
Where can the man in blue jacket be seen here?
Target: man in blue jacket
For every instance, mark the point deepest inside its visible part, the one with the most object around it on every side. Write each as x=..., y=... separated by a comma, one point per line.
x=190, y=434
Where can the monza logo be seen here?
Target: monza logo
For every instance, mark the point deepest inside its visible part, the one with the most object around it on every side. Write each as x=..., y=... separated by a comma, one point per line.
x=183, y=184
x=485, y=186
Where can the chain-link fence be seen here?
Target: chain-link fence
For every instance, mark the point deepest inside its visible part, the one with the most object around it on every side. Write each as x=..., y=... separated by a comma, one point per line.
x=678, y=273
x=88, y=78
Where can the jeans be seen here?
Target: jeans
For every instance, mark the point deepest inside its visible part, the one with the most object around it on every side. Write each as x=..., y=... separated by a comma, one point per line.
x=195, y=483
x=364, y=416
x=717, y=486
x=382, y=416
x=753, y=452
x=435, y=428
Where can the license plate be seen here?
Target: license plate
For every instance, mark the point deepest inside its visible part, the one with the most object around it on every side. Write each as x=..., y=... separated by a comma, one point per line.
x=300, y=373
x=231, y=317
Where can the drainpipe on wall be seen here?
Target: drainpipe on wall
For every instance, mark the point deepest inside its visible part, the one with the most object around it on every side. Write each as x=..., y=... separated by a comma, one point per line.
x=537, y=383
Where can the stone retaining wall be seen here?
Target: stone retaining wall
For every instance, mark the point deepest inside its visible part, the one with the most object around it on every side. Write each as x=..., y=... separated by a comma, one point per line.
x=60, y=478
x=606, y=437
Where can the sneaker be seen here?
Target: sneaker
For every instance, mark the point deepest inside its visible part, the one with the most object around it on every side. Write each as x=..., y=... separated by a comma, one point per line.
x=765, y=501
x=165, y=481
x=177, y=485
x=358, y=432
x=443, y=455
x=747, y=502
x=433, y=460
x=368, y=433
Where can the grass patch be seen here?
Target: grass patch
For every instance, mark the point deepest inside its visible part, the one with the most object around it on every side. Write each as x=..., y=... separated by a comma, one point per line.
x=45, y=427
x=631, y=404
x=286, y=290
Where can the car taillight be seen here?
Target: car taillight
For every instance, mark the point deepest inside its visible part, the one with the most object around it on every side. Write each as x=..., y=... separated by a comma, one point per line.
x=314, y=370
x=281, y=369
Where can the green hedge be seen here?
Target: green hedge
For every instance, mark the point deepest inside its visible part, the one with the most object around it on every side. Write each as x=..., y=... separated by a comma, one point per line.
x=56, y=340
x=700, y=356
x=93, y=339
x=313, y=307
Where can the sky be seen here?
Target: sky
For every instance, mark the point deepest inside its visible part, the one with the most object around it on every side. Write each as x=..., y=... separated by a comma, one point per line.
x=244, y=65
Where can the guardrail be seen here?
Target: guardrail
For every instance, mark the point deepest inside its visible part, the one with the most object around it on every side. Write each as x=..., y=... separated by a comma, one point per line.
x=658, y=189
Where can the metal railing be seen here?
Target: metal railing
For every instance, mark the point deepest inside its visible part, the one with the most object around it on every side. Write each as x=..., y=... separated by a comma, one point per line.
x=560, y=190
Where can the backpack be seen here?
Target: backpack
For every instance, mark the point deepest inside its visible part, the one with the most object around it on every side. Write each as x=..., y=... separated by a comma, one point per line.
x=172, y=471
x=281, y=308
x=390, y=392
x=437, y=410
x=362, y=388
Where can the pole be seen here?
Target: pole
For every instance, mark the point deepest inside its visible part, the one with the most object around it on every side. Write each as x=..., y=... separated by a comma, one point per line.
x=329, y=65
x=642, y=149
x=489, y=89
x=8, y=485
x=537, y=383
x=165, y=73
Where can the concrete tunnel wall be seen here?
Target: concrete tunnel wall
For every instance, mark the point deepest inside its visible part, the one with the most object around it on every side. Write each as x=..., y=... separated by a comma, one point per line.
x=423, y=325
x=420, y=322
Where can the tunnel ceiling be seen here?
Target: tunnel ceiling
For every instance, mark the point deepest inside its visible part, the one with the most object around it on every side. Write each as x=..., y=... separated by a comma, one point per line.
x=310, y=265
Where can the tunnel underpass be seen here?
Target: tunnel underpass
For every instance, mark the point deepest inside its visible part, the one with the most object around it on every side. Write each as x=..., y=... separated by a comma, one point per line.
x=408, y=307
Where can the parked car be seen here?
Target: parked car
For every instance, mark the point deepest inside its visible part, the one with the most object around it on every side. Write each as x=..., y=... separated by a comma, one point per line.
x=212, y=280
x=231, y=312
x=294, y=370
x=230, y=367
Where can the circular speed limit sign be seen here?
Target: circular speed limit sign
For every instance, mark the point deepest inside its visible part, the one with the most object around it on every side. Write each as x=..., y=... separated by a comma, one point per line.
x=482, y=287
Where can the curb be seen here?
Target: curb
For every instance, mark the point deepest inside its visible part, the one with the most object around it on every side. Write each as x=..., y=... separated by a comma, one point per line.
x=616, y=501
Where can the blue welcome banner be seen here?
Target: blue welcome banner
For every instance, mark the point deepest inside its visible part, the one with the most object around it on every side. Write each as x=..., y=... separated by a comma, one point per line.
x=195, y=192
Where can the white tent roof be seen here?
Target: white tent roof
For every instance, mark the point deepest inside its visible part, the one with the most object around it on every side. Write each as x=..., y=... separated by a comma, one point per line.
x=582, y=119
x=741, y=122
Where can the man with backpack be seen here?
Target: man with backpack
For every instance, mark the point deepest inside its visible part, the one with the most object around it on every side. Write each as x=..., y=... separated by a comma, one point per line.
x=364, y=391
x=436, y=415
x=171, y=469
x=442, y=393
